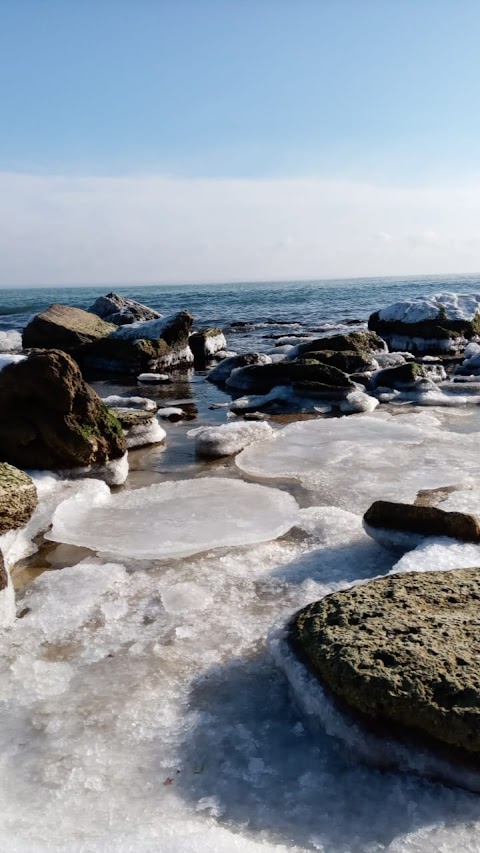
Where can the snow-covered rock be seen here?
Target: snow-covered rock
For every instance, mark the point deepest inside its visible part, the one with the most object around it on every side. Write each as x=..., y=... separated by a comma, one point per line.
x=227, y=439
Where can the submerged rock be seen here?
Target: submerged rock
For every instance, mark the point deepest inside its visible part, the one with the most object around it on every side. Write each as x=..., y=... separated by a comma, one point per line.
x=66, y=328
x=18, y=498
x=384, y=519
x=50, y=418
x=403, y=652
x=120, y=310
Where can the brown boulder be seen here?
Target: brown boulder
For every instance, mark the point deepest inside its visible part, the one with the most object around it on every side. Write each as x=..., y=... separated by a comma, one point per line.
x=50, y=417
x=18, y=498
x=66, y=328
x=422, y=520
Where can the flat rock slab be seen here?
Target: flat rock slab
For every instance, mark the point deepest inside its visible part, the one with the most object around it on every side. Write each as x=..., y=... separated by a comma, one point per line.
x=402, y=650
x=18, y=499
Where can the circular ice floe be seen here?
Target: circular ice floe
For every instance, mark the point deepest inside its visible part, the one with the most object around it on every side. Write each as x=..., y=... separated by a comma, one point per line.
x=174, y=519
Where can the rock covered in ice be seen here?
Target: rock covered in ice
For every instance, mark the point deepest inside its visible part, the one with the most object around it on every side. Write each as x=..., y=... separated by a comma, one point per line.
x=153, y=378
x=352, y=461
x=142, y=434
x=174, y=519
x=121, y=310
x=227, y=439
x=222, y=371
x=171, y=413
x=357, y=401
x=440, y=306
x=150, y=330
x=10, y=341
x=206, y=343
x=402, y=526
x=115, y=400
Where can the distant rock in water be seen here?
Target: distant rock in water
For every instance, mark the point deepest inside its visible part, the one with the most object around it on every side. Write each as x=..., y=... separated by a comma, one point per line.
x=402, y=651
x=121, y=311
x=66, y=328
x=18, y=497
x=51, y=419
x=438, y=324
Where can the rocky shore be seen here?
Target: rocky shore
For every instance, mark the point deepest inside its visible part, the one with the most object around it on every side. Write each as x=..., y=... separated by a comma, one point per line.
x=328, y=483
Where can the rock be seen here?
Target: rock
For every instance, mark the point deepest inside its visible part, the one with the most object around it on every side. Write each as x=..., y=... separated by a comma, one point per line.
x=362, y=342
x=348, y=361
x=403, y=376
x=422, y=520
x=132, y=417
x=171, y=413
x=402, y=651
x=66, y=328
x=50, y=418
x=226, y=439
x=206, y=343
x=154, y=345
x=3, y=574
x=221, y=372
x=153, y=378
x=115, y=400
x=304, y=375
x=438, y=323
x=18, y=498
x=121, y=310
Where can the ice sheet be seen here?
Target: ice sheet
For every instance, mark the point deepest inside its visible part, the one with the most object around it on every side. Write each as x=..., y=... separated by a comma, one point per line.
x=174, y=519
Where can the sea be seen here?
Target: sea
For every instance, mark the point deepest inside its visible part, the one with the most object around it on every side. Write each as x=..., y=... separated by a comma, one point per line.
x=148, y=705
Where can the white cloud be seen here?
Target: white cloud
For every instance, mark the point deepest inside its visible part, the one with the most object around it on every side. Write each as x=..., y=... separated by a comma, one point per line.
x=68, y=230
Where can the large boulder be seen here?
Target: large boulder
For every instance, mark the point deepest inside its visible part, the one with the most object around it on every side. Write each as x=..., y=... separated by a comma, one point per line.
x=347, y=360
x=304, y=375
x=18, y=497
x=402, y=651
x=66, y=328
x=405, y=525
x=402, y=377
x=121, y=311
x=362, y=342
x=143, y=347
x=438, y=323
x=50, y=418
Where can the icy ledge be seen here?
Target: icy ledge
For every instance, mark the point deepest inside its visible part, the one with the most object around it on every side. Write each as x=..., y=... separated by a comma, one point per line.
x=174, y=519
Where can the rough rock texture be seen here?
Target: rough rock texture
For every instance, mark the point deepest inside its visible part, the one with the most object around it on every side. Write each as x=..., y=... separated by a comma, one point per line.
x=121, y=310
x=425, y=520
x=206, y=342
x=402, y=376
x=65, y=328
x=348, y=361
x=352, y=342
x=440, y=328
x=50, y=417
x=138, y=355
x=263, y=377
x=132, y=417
x=402, y=650
x=18, y=498
x=3, y=574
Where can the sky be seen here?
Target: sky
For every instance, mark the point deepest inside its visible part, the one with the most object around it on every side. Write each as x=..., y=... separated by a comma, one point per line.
x=148, y=141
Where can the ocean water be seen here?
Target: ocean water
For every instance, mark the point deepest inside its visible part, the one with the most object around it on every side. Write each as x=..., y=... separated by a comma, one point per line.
x=144, y=704
x=311, y=303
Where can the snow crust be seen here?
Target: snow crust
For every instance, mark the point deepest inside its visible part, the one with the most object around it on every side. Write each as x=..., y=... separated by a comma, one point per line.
x=174, y=519
x=150, y=330
x=116, y=401
x=226, y=439
x=452, y=306
x=353, y=461
x=215, y=344
x=10, y=341
x=168, y=411
x=114, y=472
x=140, y=435
x=151, y=378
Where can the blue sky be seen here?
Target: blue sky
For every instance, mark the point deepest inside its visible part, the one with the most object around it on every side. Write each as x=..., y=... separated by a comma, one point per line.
x=373, y=94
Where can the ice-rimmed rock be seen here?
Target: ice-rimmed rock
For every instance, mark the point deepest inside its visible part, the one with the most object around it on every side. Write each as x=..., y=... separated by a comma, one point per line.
x=403, y=526
x=121, y=310
x=175, y=519
x=359, y=342
x=307, y=377
x=153, y=378
x=336, y=458
x=437, y=323
x=402, y=651
x=227, y=439
x=206, y=344
x=219, y=374
x=115, y=400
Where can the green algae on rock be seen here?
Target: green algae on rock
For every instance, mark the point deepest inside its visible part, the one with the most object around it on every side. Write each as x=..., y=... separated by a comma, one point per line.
x=403, y=652
x=18, y=498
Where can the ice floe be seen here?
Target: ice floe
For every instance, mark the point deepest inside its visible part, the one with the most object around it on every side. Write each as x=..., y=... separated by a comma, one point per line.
x=227, y=439
x=10, y=341
x=174, y=519
x=352, y=461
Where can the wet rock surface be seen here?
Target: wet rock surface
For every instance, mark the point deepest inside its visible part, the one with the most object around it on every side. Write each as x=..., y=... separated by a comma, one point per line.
x=50, y=418
x=18, y=498
x=403, y=651
x=423, y=519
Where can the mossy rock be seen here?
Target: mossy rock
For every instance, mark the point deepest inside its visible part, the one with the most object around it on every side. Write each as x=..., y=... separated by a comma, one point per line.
x=402, y=376
x=18, y=498
x=361, y=342
x=347, y=361
x=131, y=417
x=402, y=651
x=262, y=378
x=66, y=328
